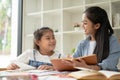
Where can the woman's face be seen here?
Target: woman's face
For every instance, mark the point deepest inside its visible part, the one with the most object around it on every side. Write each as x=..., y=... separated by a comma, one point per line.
x=88, y=26
x=47, y=42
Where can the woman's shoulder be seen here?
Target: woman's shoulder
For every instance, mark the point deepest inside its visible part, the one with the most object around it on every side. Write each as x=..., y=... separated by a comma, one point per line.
x=84, y=41
x=113, y=39
x=114, y=44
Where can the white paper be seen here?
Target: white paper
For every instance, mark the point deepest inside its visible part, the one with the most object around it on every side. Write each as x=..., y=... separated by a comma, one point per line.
x=109, y=73
x=45, y=72
x=24, y=66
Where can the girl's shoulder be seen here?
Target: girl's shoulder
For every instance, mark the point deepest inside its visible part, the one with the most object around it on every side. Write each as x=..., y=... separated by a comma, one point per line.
x=28, y=51
x=57, y=54
x=25, y=54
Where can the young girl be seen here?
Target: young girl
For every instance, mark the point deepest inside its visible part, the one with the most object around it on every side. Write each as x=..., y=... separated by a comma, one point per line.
x=99, y=41
x=39, y=57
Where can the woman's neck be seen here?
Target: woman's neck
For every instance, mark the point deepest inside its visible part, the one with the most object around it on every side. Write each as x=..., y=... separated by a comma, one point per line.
x=92, y=38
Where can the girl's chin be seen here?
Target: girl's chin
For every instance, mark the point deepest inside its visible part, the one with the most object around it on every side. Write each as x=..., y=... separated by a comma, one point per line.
x=52, y=49
x=85, y=32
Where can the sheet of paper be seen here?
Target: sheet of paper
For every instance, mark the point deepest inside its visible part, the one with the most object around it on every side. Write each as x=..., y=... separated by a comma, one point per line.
x=54, y=78
x=45, y=72
x=109, y=73
x=24, y=66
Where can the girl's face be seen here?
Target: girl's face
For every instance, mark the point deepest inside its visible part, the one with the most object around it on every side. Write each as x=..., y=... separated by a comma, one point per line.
x=88, y=26
x=47, y=42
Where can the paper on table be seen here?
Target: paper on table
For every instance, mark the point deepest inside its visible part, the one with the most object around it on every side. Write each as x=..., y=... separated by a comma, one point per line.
x=46, y=72
x=23, y=66
x=51, y=77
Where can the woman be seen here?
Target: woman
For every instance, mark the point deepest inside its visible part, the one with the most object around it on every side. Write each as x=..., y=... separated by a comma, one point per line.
x=99, y=41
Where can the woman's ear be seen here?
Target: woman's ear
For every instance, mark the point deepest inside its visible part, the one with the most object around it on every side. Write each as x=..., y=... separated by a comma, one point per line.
x=97, y=26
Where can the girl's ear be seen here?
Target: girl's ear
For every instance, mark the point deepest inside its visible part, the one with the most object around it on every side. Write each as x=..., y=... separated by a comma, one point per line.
x=37, y=42
x=97, y=26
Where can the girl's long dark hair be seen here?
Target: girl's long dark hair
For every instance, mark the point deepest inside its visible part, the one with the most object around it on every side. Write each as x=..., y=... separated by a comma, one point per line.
x=98, y=15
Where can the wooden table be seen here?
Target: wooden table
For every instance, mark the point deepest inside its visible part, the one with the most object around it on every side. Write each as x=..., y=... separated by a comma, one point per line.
x=2, y=69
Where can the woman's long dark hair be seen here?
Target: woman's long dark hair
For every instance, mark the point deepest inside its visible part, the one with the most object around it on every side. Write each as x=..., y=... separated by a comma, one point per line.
x=98, y=15
x=38, y=35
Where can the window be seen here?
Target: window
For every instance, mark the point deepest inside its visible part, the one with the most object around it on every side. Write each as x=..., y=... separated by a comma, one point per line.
x=8, y=30
x=5, y=28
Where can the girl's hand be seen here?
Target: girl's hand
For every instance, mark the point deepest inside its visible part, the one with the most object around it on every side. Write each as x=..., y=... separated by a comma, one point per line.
x=45, y=67
x=12, y=66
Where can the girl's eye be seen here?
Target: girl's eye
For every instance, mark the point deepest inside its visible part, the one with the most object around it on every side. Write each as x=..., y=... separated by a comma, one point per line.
x=48, y=38
x=85, y=23
x=53, y=37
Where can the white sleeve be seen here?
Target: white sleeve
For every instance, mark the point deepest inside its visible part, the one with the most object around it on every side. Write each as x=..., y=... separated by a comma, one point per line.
x=25, y=56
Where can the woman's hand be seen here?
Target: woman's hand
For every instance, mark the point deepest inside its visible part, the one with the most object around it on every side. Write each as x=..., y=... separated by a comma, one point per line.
x=12, y=66
x=79, y=63
x=45, y=67
x=75, y=63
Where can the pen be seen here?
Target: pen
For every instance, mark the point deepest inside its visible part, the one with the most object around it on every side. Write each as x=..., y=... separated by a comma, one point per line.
x=59, y=56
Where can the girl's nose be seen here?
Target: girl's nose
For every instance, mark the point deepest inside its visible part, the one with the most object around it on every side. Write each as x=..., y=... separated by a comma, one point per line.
x=53, y=40
x=82, y=25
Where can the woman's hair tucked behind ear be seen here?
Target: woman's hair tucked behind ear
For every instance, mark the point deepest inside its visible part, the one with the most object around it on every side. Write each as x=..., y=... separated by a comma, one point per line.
x=38, y=35
x=99, y=15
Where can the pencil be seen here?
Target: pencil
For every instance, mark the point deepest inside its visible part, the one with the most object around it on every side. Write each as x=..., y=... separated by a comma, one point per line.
x=59, y=56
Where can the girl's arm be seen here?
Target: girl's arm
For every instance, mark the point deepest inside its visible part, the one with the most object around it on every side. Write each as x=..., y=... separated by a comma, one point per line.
x=12, y=66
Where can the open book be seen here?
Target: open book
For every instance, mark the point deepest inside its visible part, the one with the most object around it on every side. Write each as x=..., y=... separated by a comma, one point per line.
x=95, y=75
x=58, y=64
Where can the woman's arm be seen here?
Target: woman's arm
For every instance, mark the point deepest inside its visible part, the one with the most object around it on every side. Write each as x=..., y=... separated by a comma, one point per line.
x=110, y=63
x=81, y=63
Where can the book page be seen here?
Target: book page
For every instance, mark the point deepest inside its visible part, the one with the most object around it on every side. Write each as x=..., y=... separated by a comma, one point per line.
x=84, y=69
x=86, y=75
x=109, y=74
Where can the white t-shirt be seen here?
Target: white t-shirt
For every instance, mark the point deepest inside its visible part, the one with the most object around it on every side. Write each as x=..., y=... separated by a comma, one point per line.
x=28, y=55
x=91, y=47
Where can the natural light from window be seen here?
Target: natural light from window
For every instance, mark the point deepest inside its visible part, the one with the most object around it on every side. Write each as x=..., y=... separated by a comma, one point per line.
x=6, y=31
